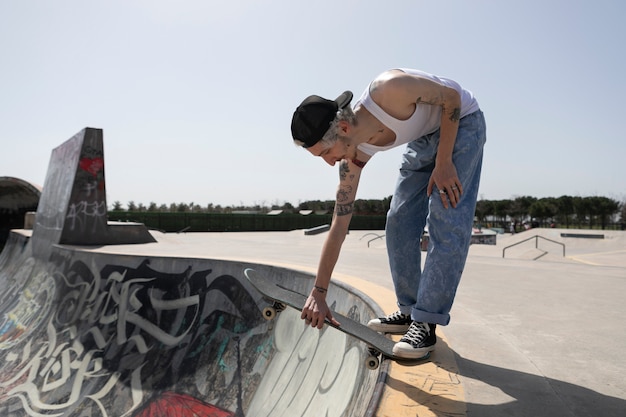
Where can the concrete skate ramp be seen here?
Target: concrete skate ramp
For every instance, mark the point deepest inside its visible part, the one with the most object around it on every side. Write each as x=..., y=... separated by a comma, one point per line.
x=96, y=334
x=17, y=197
x=73, y=206
x=90, y=331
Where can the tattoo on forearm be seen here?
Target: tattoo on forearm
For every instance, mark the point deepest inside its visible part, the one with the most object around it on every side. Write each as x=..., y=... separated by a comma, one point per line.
x=343, y=209
x=344, y=193
x=344, y=170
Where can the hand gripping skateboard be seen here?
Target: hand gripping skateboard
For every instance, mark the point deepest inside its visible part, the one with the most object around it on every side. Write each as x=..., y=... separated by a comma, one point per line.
x=379, y=346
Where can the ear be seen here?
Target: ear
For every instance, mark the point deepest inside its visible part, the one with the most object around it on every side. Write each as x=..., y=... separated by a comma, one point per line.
x=344, y=128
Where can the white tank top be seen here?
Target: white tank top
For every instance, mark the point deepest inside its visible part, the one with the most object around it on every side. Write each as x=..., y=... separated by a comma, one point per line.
x=425, y=120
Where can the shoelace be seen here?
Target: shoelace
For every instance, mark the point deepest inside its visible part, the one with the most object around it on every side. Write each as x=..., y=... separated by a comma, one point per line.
x=416, y=332
x=395, y=316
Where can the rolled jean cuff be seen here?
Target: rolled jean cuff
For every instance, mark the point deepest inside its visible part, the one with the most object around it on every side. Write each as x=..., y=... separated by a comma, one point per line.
x=405, y=310
x=426, y=317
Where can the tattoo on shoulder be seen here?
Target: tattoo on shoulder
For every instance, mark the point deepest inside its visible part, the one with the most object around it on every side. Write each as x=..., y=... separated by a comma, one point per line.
x=433, y=101
x=343, y=209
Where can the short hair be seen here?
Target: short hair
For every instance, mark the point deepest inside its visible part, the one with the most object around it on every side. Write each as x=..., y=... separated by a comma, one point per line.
x=332, y=134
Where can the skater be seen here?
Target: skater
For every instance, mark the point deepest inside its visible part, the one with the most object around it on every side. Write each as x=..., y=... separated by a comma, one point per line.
x=444, y=131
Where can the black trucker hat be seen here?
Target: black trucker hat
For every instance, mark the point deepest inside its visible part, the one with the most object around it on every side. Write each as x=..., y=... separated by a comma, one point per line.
x=314, y=115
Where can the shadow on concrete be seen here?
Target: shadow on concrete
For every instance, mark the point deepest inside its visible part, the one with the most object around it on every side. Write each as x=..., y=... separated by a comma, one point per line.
x=525, y=390
x=530, y=395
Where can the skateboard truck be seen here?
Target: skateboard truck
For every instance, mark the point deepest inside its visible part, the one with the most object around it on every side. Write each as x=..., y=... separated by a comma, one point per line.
x=269, y=312
x=375, y=356
x=372, y=362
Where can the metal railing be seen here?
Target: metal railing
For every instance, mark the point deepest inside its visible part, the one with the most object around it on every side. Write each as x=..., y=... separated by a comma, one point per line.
x=536, y=237
x=371, y=240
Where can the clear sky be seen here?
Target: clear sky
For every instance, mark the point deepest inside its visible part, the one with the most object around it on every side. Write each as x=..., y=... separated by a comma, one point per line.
x=195, y=97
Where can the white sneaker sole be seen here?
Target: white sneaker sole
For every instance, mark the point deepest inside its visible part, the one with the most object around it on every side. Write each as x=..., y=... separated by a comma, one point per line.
x=405, y=350
x=376, y=325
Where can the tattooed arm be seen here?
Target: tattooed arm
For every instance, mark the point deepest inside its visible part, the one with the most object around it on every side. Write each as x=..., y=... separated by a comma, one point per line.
x=316, y=309
x=398, y=93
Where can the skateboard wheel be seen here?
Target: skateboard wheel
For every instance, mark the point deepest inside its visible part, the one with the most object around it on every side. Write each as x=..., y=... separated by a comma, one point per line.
x=269, y=313
x=372, y=362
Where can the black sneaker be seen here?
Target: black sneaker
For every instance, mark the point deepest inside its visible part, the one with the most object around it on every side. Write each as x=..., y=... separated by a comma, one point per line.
x=392, y=323
x=417, y=342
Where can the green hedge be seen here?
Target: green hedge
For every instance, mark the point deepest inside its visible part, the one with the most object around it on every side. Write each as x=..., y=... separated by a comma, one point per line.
x=220, y=222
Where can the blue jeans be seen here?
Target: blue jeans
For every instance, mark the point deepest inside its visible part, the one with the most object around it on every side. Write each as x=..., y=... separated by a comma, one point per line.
x=428, y=295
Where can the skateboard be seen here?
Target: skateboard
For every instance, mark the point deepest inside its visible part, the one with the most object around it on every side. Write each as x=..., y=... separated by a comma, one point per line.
x=378, y=345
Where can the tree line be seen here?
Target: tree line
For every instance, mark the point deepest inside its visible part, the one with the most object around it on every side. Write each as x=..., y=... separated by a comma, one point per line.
x=564, y=211
x=361, y=207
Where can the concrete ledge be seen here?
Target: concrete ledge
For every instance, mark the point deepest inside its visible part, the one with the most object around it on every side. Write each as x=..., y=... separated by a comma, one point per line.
x=583, y=235
x=317, y=230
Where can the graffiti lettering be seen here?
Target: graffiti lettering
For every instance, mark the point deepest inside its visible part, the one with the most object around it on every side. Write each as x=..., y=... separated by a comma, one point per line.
x=53, y=366
x=107, y=325
x=118, y=303
x=80, y=214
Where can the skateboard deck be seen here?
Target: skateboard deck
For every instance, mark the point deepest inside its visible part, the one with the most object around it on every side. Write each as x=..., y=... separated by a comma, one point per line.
x=379, y=346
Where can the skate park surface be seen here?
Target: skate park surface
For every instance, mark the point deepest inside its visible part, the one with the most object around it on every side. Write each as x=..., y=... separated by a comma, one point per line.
x=527, y=337
x=146, y=322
